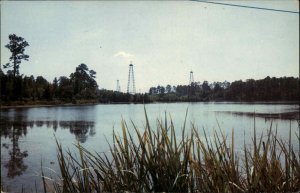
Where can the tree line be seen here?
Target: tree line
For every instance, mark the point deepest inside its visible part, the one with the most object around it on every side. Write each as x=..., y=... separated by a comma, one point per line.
x=80, y=85
x=267, y=89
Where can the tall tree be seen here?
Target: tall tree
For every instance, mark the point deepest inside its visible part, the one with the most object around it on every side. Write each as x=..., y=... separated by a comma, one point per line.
x=168, y=88
x=55, y=87
x=84, y=83
x=17, y=47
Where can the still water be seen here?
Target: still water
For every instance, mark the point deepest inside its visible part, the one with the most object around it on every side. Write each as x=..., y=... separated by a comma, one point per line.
x=28, y=134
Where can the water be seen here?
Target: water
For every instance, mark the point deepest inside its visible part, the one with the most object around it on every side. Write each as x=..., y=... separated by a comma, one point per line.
x=28, y=134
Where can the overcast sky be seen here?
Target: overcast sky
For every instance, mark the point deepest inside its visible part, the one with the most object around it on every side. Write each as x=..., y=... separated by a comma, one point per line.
x=164, y=40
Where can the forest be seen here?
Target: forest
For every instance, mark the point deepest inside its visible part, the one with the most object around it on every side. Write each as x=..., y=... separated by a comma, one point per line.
x=267, y=89
x=81, y=87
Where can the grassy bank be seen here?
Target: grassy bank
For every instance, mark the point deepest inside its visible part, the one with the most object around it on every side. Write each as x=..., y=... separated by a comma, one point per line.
x=157, y=160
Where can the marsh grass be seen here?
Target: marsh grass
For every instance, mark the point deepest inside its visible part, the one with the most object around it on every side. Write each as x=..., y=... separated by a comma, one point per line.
x=156, y=160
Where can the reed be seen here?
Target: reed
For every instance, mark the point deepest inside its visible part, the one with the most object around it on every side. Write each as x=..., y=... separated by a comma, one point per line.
x=156, y=160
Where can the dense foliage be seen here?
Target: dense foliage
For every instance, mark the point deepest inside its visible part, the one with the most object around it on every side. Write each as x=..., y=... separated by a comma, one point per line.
x=267, y=89
x=80, y=85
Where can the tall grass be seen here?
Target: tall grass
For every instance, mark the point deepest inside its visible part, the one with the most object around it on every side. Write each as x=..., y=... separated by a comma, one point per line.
x=156, y=160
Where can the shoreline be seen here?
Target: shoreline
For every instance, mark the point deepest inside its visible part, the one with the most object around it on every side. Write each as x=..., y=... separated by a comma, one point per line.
x=37, y=104
x=93, y=102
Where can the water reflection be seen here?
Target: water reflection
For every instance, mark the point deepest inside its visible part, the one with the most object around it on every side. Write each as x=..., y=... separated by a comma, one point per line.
x=81, y=129
x=16, y=129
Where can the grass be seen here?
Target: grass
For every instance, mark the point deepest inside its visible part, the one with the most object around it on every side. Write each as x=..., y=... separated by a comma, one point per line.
x=151, y=160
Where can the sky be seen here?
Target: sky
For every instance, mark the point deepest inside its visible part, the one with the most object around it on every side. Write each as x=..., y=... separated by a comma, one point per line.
x=163, y=40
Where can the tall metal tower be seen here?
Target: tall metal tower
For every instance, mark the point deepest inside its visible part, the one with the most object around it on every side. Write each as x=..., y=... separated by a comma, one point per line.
x=118, y=86
x=191, y=77
x=131, y=82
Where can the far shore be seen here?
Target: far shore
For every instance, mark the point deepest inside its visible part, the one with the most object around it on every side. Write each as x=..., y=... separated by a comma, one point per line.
x=41, y=105
x=35, y=104
x=56, y=103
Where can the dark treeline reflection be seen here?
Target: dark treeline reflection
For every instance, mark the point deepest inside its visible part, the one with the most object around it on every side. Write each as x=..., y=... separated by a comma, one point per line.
x=81, y=129
x=16, y=129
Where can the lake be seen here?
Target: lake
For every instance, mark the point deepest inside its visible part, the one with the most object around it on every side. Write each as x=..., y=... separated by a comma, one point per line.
x=28, y=134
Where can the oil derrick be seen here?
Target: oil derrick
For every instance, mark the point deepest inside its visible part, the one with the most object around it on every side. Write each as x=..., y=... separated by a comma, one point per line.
x=191, y=87
x=131, y=82
x=118, y=89
x=191, y=78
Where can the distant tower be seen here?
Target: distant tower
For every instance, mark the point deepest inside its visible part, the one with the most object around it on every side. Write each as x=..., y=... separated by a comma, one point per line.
x=131, y=83
x=191, y=77
x=118, y=86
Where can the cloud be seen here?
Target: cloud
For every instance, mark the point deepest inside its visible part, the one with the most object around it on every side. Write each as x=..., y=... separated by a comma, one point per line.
x=124, y=55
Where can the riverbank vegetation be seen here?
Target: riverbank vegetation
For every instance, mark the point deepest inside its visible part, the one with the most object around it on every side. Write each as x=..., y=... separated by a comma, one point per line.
x=84, y=90
x=161, y=160
x=81, y=88
x=267, y=89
